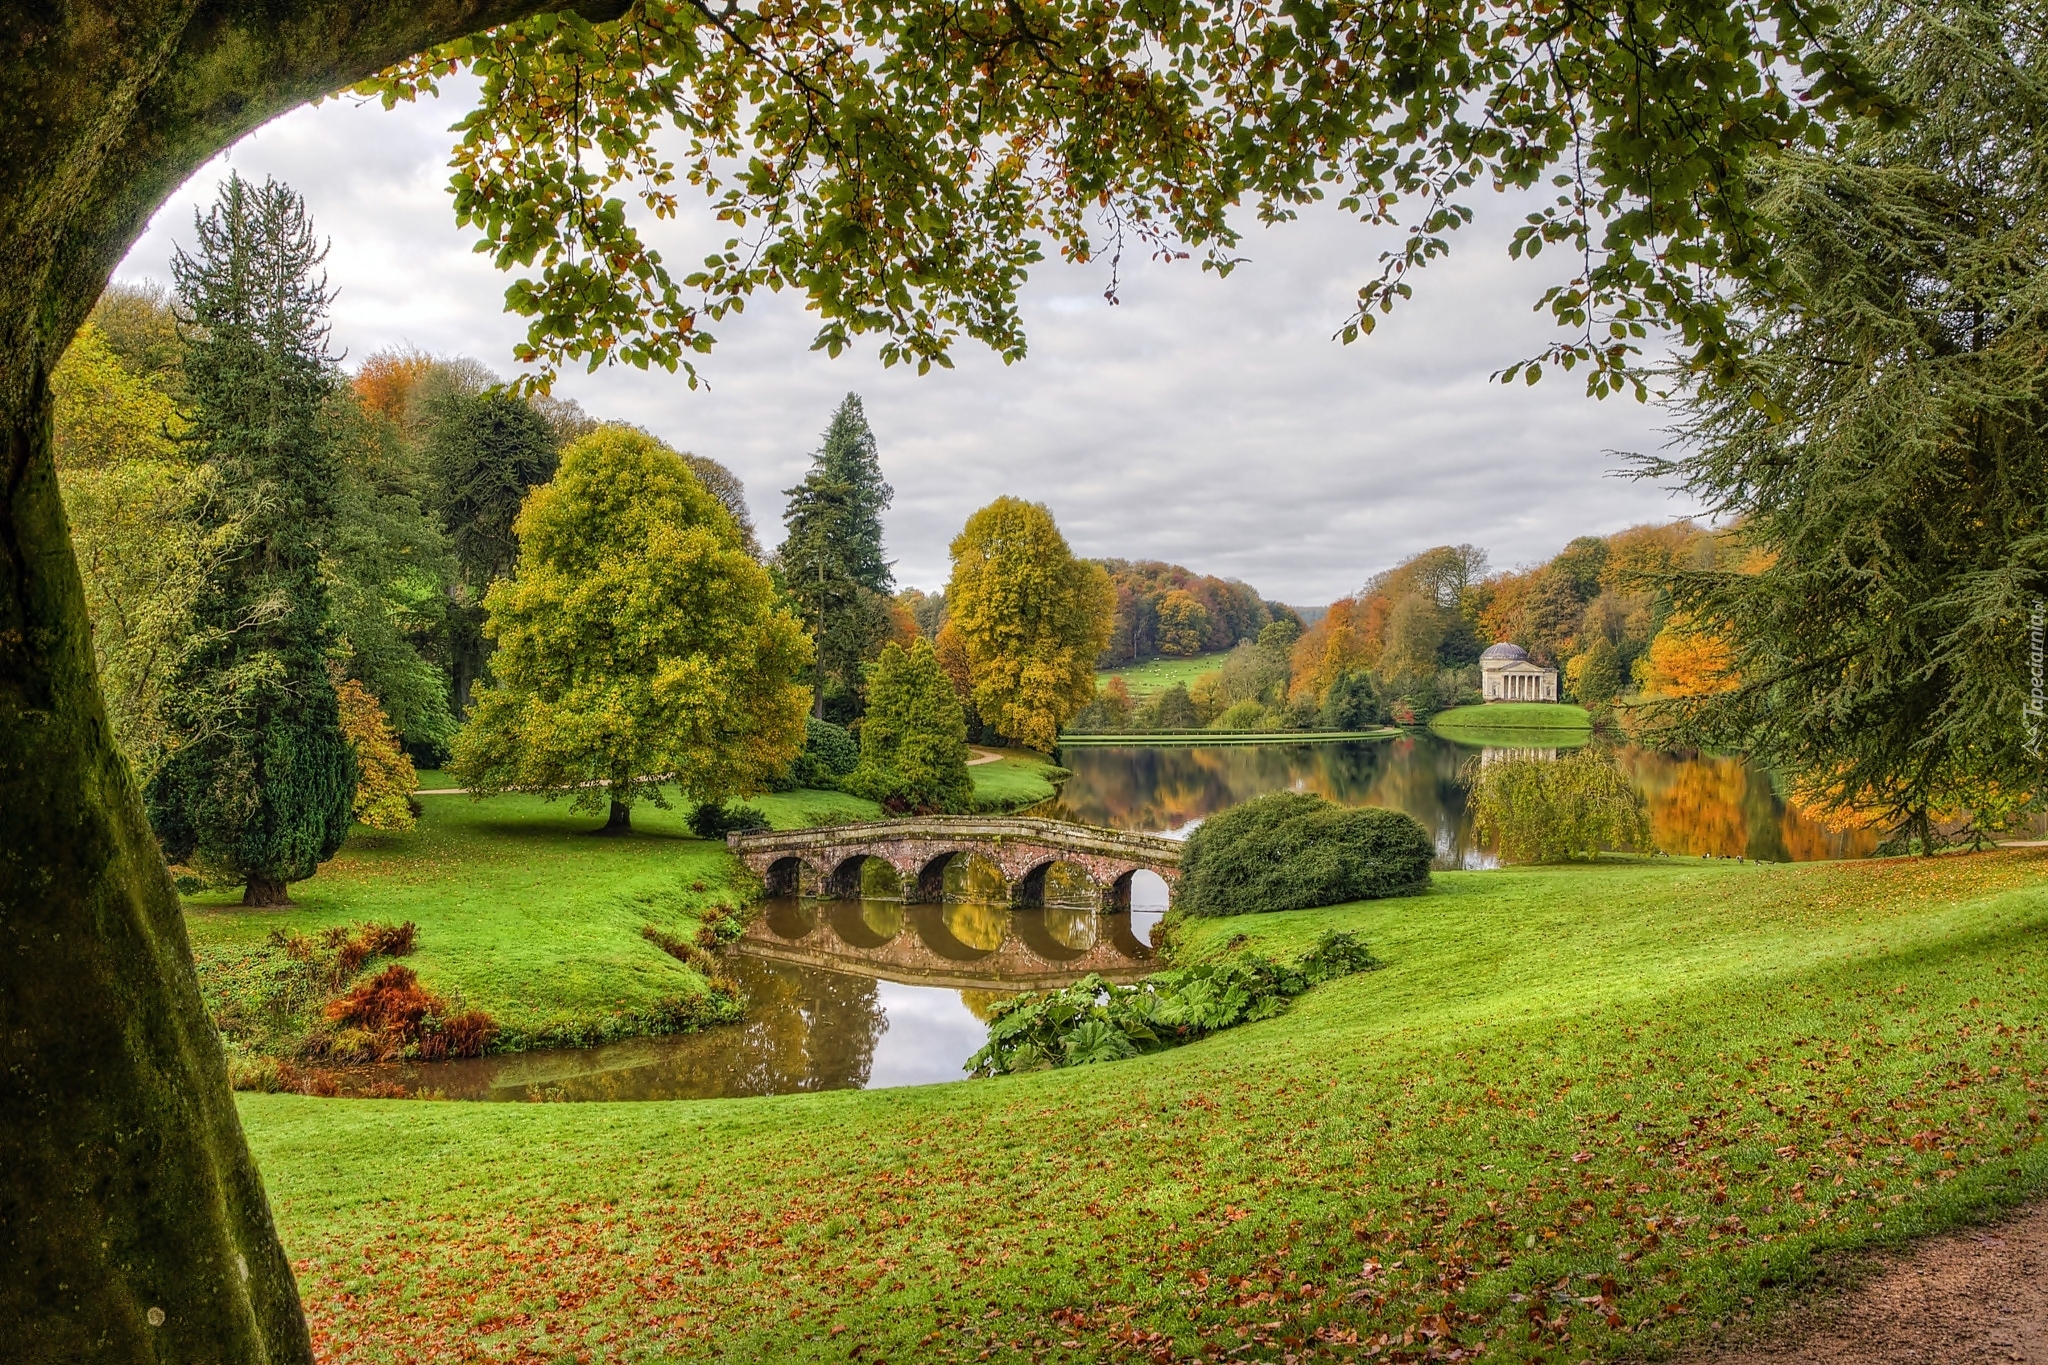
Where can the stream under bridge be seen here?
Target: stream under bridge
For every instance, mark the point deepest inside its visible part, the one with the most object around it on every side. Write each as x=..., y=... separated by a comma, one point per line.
x=828, y=861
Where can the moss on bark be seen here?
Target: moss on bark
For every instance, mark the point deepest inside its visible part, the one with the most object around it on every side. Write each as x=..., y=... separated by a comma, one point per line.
x=133, y=1224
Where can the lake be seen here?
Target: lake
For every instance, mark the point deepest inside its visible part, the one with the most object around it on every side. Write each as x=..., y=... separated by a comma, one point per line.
x=1699, y=803
x=868, y=993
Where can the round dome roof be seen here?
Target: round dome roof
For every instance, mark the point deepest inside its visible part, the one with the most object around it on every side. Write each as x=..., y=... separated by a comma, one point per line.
x=1504, y=650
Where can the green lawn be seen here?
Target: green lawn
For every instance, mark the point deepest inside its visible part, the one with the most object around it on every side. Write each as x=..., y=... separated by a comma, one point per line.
x=1019, y=778
x=1512, y=721
x=1156, y=675
x=1581, y=1113
x=521, y=912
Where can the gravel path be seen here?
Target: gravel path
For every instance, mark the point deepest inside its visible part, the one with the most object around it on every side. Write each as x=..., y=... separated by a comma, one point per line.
x=1969, y=1298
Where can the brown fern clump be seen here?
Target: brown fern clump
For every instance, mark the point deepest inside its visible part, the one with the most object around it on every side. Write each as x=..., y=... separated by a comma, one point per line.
x=469, y=1034
x=391, y=1016
x=337, y=953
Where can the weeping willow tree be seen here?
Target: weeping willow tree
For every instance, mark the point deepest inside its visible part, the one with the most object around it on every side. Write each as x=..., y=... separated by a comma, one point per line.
x=1885, y=448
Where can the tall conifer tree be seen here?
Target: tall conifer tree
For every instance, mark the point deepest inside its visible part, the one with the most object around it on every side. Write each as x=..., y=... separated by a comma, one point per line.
x=1883, y=452
x=848, y=457
x=832, y=554
x=259, y=780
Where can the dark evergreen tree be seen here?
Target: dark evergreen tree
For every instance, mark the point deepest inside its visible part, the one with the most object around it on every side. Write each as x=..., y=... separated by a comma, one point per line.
x=1883, y=453
x=1351, y=704
x=832, y=557
x=848, y=457
x=485, y=452
x=260, y=778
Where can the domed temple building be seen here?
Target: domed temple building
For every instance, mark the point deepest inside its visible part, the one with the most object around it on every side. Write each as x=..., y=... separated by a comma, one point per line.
x=1506, y=673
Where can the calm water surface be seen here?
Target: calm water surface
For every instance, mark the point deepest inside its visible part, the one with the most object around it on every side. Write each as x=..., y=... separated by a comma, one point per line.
x=840, y=995
x=1699, y=803
x=852, y=994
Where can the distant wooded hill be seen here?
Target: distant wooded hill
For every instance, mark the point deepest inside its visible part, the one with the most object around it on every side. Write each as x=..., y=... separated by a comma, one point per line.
x=1168, y=611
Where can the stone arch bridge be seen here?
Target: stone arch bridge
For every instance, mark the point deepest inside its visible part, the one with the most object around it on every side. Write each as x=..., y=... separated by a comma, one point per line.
x=1025, y=848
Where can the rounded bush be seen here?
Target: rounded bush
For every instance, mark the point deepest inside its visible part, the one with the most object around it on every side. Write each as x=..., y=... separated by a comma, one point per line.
x=1289, y=851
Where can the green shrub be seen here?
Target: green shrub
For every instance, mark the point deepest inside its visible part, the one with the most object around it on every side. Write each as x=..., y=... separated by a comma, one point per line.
x=716, y=819
x=830, y=752
x=1095, y=1021
x=1289, y=851
x=1247, y=715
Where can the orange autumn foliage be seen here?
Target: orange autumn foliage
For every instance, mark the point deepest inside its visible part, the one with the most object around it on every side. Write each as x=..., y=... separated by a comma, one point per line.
x=1347, y=639
x=1508, y=594
x=1687, y=661
x=386, y=382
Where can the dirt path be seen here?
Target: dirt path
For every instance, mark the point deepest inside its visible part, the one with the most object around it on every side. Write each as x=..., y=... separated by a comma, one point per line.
x=1972, y=1297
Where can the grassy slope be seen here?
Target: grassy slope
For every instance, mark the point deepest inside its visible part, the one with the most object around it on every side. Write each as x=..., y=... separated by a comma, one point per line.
x=520, y=911
x=1020, y=778
x=1156, y=675
x=1651, y=1089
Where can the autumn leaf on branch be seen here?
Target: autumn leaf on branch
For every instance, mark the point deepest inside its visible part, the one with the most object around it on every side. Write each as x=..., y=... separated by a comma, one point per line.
x=905, y=165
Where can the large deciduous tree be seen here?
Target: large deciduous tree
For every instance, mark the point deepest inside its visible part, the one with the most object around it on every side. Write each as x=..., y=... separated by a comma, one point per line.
x=1031, y=619
x=257, y=780
x=126, y=1180
x=638, y=644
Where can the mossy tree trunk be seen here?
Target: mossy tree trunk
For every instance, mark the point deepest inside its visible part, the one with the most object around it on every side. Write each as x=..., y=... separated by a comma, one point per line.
x=133, y=1224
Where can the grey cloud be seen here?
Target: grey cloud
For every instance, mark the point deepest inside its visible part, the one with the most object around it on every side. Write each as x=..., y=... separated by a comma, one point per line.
x=1213, y=422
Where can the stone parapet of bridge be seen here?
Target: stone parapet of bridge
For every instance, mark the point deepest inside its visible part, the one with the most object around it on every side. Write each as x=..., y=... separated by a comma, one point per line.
x=827, y=861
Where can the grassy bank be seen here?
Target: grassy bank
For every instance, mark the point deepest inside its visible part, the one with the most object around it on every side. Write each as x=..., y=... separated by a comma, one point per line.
x=1018, y=779
x=1156, y=675
x=1579, y=1114
x=520, y=913
x=1524, y=719
x=1209, y=738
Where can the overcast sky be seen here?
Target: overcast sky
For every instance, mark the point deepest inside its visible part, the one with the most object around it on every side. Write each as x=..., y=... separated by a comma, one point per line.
x=1212, y=423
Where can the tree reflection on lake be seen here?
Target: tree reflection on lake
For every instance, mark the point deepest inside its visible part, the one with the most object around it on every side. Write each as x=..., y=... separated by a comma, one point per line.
x=1699, y=803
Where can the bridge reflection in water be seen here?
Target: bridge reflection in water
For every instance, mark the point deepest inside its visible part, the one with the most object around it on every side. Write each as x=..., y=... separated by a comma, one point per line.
x=840, y=995
x=964, y=945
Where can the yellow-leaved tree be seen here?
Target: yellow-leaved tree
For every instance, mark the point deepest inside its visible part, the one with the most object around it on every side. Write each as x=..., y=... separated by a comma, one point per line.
x=638, y=643
x=1686, y=659
x=1030, y=619
x=385, y=778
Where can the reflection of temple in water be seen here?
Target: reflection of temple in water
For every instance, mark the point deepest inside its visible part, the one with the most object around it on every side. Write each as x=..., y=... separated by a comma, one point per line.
x=1492, y=754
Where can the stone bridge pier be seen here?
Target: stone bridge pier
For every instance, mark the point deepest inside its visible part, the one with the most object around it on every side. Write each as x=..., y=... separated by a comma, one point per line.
x=1024, y=848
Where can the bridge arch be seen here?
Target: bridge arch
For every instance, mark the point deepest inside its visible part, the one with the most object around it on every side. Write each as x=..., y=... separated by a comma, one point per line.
x=858, y=874
x=791, y=875
x=1042, y=877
